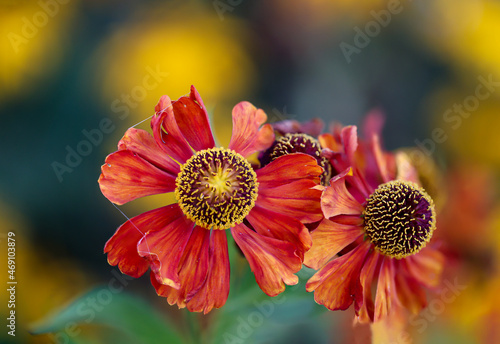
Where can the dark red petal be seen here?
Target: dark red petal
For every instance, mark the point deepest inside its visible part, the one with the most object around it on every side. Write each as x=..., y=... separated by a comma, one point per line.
x=386, y=290
x=193, y=270
x=312, y=127
x=337, y=285
x=272, y=261
x=167, y=134
x=143, y=144
x=164, y=248
x=214, y=292
x=281, y=227
x=122, y=247
x=336, y=200
x=287, y=169
x=248, y=136
x=365, y=307
x=329, y=238
x=126, y=176
x=192, y=119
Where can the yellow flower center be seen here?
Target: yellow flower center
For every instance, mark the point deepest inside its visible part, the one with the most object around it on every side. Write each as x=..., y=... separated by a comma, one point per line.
x=399, y=218
x=216, y=188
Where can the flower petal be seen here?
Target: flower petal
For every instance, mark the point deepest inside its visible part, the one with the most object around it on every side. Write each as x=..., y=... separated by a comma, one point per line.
x=143, y=144
x=336, y=285
x=426, y=266
x=122, y=247
x=214, y=292
x=386, y=289
x=192, y=119
x=272, y=261
x=349, y=136
x=329, y=238
x=336, y=200
x=126, y=176
x=193, y=270
x=312, y=127
x=405, y=169
x=410, y=292
x=167, y=134
x=281, y=227
x=248, y=136
x=365, y=306
x=164, y=248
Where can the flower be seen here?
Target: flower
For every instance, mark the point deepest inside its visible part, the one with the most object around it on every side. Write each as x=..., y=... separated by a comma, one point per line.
x=379, y=221
x=185, y=243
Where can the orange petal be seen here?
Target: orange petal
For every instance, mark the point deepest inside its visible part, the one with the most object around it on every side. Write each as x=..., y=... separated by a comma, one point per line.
x=411, y=295
x=167, y=134
x=405, y=169
x=192, y=119
x=193, y=270
x=328, y=141
x=336, y=200
x=122, y=247
x=248, y=137
x=126, y=176
x=365, y=307
x=329, y=238
x=336, y=285
x=426, y=266
x=214, y=292
x=272, y=261
x=164, y=248
x=386, y=289
x=287, y=169
x=281, y=227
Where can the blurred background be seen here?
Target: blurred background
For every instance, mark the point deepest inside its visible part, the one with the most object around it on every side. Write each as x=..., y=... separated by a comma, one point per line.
x=74, y=75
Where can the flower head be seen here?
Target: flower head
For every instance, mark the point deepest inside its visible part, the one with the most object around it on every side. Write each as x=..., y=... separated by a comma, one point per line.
x=379, y=221
x=217, y=189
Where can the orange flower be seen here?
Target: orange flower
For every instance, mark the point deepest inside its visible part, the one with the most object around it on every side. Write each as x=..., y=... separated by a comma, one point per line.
x=379, y=221
x=185, y=243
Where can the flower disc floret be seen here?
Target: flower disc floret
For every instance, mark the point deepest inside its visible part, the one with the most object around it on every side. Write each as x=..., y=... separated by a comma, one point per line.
x=399, y=218
x=216, y=188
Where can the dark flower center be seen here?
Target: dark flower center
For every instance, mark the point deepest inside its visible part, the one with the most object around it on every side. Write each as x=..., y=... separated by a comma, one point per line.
x=302, y=143
x=216, y=188
x=399, y=218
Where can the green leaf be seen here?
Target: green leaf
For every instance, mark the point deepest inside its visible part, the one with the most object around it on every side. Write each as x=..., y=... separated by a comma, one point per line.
x=127, y=317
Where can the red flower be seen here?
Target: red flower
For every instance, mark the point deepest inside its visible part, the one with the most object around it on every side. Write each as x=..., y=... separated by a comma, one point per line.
x=379, y=221
x=184, y=243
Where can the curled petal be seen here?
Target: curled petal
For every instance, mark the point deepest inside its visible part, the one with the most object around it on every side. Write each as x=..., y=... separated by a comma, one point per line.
x=167, y=134
x=214, y=292
x=126, y=176
x=164, y=248
x=122, y=247
x=328, y=141
x=248, y=136
x=329, y=238
x=192, y=118
x=193, y=270
x=386, y=289
x=349, y=136
x=281, y=227
x=336, y=286
x=365, y=307
x=336, y=200
x=273, y=261
x=143, y=144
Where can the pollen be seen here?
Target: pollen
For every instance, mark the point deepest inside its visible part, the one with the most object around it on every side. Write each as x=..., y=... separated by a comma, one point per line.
x=399, y=218
x=216, y=188
x=302, y=143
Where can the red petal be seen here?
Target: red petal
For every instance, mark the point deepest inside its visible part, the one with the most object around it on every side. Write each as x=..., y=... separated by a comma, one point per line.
x=329, y=238
x=373, y=123
x=336, y=200
x=380, y=159
x=365, y=307
x=281, y=227
x=214, y=292
x=287, y=169
x=386, y=289
x=193, y=270
x=122, y=247
x=410, y=292
x=248, y=137
x=336, y=285
x=164, y=248
x=167, y=134
x=426, y=266
x=405, y=169
x=312, y=127
x=272, y=261
x=192, y=119
x=143, y=144
x=126, y=176
x=349, y=136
